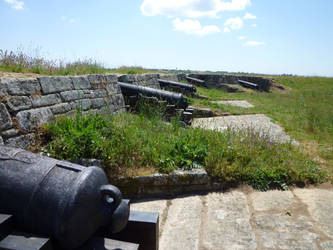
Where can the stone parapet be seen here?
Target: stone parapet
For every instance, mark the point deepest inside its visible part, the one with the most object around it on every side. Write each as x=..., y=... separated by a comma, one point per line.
x=26, y=104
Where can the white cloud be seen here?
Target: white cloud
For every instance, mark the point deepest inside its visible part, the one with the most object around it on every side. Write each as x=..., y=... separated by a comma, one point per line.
x=18, y=5
x=253, y=44
x=191, y=8
x=254, y=25
x=241, y=38
x=226, y=30
x=70, y=20
x=249, y=16
x=194, y=27
x=233, y=24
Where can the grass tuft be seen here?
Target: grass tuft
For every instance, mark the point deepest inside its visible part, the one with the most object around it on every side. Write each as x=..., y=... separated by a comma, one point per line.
x=22, y=62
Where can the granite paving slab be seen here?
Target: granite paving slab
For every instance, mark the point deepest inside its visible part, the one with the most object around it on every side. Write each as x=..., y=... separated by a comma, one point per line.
x=246, y=219
x=257, y=123
x=236, y=103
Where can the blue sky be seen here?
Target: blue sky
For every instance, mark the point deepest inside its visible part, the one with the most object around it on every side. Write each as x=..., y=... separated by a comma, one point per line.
x=263, y=36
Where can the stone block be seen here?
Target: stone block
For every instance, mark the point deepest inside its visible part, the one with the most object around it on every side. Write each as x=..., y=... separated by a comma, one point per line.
x=97, y=81
x=28, y=86
x=118, y=89
x=61, y=108
x=81, y=82
x=272, y=200
x=120, y=100
x=98, y=93
x=17, y=103
x=23, y=141
x=126, y=78
x=46, y=100
x=182, y=226
x=26, y=241
x=97, y=103
x=10, y=133
x=111, y=79
x=55, y=84
x=68, y=114
x=227, y=222
x=72, y=95
x=195, y=177
x=280, y=231
x=3, y=86
x=5, y=120
x=83, y=104
x=31, y=119
x=113, y=88
x=319, y=203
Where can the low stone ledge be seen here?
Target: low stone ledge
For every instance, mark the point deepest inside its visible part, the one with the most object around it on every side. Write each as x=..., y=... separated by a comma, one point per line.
x=201, y=112
x=175, y=183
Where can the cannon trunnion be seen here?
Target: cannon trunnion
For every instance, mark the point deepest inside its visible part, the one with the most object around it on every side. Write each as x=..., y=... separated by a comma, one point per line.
x=61, y=200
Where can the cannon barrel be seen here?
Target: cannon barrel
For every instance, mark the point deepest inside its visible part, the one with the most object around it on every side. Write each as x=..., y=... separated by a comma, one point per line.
x=195, y=80
x=248, y=84
x=172, y=98
x=188, y=87
x=58, y=199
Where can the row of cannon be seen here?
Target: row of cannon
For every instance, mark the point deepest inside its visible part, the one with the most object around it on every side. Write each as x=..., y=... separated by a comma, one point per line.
x=172, y=92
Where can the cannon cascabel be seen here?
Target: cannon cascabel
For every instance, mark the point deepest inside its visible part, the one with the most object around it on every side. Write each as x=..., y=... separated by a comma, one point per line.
x=58, y=199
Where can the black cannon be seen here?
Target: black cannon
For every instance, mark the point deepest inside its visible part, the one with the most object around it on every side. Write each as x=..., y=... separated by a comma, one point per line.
x=189, y=88
x=58, y=199
x=172, y=98
x=247, y=84
x=195, y=81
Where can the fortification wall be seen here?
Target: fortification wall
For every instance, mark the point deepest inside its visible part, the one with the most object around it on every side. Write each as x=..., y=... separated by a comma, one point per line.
x=174, y=77
x=215, y=81
x=151, y=80
x=146, y=80
x=26, y=104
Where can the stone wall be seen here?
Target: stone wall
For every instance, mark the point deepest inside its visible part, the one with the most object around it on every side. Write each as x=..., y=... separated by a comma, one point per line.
x=150, y=80
x=26, y=104
x=147, y=80
x=174, y=77
x=215, y=81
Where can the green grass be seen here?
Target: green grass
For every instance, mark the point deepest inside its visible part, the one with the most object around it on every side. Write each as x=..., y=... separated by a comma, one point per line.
x=22, y=62
x=305, y=111
x=130, y=144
